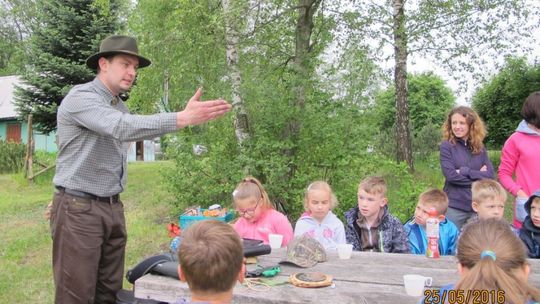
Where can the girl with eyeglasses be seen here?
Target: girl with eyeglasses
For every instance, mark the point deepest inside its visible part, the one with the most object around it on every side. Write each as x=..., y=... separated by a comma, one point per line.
x=258, y=217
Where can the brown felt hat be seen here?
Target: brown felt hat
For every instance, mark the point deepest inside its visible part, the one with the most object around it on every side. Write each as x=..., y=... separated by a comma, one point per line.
x=117, y=44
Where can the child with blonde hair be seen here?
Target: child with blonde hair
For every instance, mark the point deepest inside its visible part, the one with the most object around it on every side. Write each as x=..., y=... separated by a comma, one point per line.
x=416, y=227
x=369, y=225
x=258, y=218
x=488, y=199
x=318, y=220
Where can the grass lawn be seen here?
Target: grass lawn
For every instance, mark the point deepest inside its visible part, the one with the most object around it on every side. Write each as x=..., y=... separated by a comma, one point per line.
x=25, y=251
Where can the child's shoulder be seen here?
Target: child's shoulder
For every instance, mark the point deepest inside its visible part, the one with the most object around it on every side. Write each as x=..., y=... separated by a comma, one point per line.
x=390, y=218
x=410, y=224
x=448, y=224
x=390, y=222
x=352, y=211
x=273, y=214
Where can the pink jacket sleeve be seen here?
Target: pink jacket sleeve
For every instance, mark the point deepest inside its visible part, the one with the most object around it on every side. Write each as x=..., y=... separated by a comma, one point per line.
x=283, y=226
x=509, y=158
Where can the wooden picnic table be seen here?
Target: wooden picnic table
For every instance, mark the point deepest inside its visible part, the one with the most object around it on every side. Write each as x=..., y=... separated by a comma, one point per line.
x=368, y=277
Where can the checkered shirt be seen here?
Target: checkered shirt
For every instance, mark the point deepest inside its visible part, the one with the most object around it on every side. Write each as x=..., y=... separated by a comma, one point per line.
x=94, y=132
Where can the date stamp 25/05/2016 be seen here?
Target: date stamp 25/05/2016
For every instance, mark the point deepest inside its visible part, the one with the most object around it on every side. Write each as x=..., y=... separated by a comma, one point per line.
x=452, y=296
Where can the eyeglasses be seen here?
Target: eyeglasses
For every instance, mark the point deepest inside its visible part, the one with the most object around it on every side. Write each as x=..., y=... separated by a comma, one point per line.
x=249, y=211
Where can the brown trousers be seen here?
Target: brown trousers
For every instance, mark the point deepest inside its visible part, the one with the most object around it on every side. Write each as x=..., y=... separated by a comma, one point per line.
x=89, y=240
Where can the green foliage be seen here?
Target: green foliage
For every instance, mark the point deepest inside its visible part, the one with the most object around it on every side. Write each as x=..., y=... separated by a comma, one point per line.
x=69, y=32
x=11, y=156
x=495, y=158
x=17, y=20
x=428, y=170
x=429, y=102
x=188, y=50
x=335, y=126
x=330, y=149
x=403, y=188
x=499, y=100
x=11, y=57
x=429, y=97
x=426, y=141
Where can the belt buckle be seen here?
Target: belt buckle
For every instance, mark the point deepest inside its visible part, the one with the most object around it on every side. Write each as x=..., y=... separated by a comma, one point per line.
x=111, y=199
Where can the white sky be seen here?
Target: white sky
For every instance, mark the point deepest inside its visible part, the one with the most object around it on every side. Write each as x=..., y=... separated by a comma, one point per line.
x=418, y=65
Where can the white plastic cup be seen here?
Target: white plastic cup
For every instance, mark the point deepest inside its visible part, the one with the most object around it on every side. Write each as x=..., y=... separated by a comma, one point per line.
x=344, y=251
x=414, y=284
x=275, y=240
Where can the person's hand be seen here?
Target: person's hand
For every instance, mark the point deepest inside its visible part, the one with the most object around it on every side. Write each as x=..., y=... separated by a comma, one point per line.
x=197, y=112
x=484, y=168
x=521, y=194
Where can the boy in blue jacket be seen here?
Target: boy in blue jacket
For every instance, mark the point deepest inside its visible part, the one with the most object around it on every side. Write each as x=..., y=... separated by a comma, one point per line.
x=416, y=227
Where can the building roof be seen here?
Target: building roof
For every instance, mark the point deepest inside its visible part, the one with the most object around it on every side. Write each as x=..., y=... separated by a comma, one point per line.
x=7, y=96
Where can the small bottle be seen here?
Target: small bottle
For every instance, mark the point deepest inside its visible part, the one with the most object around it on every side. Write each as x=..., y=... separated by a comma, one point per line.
x=175, y=244
x=432, y=232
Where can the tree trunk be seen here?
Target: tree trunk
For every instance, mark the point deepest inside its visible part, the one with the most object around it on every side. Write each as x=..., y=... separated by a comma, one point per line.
x=304, y=29
x=241, y=123
x=403, y=134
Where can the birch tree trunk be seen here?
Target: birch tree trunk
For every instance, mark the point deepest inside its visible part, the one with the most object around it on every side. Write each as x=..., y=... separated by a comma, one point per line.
x=403, y=134
x=241, y=122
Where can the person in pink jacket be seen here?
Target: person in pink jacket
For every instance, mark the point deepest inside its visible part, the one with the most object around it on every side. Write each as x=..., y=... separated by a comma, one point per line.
x=258, y=218
x=520, y=156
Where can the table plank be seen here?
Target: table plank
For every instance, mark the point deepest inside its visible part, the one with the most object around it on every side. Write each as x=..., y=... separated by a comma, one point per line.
x=369, y=276
x=169, y=290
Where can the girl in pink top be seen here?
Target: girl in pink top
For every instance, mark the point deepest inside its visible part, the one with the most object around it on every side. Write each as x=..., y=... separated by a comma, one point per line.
x=258, y=218
x=520, y=156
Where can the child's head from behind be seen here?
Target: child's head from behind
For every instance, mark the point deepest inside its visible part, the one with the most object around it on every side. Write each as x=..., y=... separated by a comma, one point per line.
x=488, y=198
x=492, y=257
x=250, y=199
x=531, y=109
x=432, y=198
x=211, y=257
x=319, y=199
x=534, y=211
x=371, y=196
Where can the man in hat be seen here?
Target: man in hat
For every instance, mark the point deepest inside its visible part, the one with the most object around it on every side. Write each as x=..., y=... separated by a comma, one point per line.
x=94, y=131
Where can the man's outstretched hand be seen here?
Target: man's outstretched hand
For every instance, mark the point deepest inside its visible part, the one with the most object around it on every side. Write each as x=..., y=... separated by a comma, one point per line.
x=197, y=112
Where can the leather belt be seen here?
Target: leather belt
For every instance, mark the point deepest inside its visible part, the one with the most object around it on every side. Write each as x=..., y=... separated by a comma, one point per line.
x=81, y=194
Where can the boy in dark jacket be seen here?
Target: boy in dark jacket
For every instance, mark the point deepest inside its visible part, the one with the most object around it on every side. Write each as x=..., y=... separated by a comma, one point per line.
x=369, y=226
x=530, y=232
